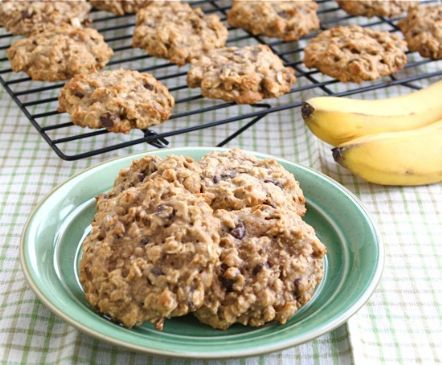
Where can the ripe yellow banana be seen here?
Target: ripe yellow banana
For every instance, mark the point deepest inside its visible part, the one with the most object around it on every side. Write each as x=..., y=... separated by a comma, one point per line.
x=395, y=158
x=337, y=120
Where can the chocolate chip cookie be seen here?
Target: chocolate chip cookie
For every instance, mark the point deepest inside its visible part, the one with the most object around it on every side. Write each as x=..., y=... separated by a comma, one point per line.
x=151, y=254
x=222, y=238
x=118, y=100
x=120, y=7
x=269, y=266
x=288, y=20
x=243, y=75
x=25, y=16
x=59, y=52
x=353, y=53
x=181, y=170
x=176, y=31
x=422, y=29
x=370, y=8
x=235, y=180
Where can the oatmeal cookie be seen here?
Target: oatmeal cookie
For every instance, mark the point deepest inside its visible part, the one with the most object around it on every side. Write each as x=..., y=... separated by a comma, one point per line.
x=422, y=29
x=288, y=20
x=25, y=16
x=59, y=52
x=270, y=265
x=235, y=180
x=353, y=53
x=222, y=238
x=176, y=31
x=370, y=8
x=243, y=75
x=150, y=255
x=134, y=175
x=180, y=170
x=118, y=100
x=120, y=7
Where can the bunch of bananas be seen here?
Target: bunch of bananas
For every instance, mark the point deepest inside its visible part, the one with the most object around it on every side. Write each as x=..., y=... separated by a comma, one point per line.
x=396, y=141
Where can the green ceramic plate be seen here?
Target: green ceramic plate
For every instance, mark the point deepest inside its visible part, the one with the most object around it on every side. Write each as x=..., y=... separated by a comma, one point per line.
x=51, y=245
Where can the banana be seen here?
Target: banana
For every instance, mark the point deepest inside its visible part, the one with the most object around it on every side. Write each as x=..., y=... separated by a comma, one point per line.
x=395, y=158
x=337, y=120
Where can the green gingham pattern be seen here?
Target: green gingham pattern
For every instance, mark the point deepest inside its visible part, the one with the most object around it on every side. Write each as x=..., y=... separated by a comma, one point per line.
x=400, y=324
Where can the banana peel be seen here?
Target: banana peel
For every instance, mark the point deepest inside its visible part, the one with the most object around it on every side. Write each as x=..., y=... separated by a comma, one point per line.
x=395, y=158
x=337, y=120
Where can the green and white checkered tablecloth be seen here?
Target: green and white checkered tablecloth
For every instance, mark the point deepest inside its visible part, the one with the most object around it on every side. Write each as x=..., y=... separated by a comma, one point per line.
x=400, y=324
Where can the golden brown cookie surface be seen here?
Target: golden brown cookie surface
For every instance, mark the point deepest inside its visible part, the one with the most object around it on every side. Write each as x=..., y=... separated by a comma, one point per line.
x=244, y=75
x=221, y=238
x=25, y=16
x=151, y=253
x=59, y=52
x=176, y=31
x=118, y=100
x=270, y=264
x=235, y=180
x=288, y=20
x=120, y=7
x=370, y=8
x=353, y=53
x=422, y=29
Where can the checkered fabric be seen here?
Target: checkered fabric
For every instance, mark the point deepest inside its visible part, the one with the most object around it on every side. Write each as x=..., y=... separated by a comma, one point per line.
x=400, y=324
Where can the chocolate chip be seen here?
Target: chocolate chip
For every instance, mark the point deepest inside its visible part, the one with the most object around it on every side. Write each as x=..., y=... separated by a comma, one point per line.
x=144, y=241
x=216, y=179
x=228, y=175
x=141, y=176
x=239, y=231
x=123, y=115
x=283, y=14
x=164, y=211
x=298, y=283
x=191, y=306
x=257, y=269
x=274, y=182
x=157, y=271
x=148, y=86
x=107, y=120
x=270, y=204
x=25, y=14
x=78, y=94
x=227, y=283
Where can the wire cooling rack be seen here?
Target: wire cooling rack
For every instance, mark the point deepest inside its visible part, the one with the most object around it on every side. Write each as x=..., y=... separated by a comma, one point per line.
x=38, y=100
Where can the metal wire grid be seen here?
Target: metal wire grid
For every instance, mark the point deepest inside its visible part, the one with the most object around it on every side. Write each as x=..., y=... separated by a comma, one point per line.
x=38, y=100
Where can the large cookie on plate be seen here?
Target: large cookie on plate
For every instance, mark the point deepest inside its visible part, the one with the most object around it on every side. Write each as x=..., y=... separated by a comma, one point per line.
x=151, y=253
x=270, y=265
x=233, y=180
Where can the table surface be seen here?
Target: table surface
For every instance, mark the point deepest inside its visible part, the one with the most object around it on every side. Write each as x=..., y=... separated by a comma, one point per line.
x=401, y=323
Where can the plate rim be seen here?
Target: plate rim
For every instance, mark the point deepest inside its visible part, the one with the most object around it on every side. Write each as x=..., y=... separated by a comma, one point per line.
x=283, y=344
